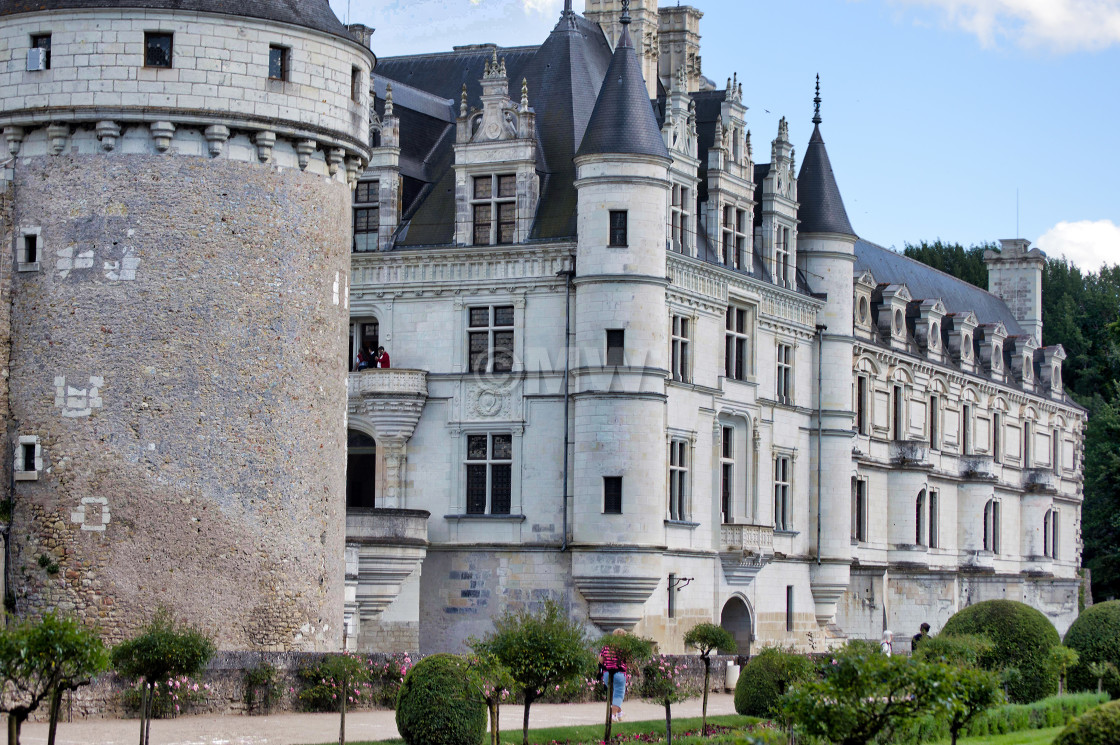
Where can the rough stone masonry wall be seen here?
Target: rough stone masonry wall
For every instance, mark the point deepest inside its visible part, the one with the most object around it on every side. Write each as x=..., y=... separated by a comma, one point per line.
x=181, y=355
x=6, y=240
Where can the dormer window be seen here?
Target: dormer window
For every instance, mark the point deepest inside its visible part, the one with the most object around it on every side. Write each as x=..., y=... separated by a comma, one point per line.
x=734, y=236
x=898, y=322
x=782, y=258
x=494, y=207
x=966, y=347
x=680, y=231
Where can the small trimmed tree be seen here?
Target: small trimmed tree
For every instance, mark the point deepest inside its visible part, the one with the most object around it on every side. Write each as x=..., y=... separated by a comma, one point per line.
x=40, y=660
x=494, y=684
x=164, y=649
x=1061, y=660
x=707, y=637
x=972, y=692
x=765, y=679
x=631, y=651
x=437, y=704
x=540, y=650
x=865, y=695
x=1101, y=671
x=663, y=682
x=1095, y=634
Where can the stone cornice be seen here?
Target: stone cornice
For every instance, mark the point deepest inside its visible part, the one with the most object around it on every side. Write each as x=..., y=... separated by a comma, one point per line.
x=451, y=270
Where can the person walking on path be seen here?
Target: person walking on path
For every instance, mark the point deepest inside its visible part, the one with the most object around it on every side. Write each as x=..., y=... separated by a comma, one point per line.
x=609, y=663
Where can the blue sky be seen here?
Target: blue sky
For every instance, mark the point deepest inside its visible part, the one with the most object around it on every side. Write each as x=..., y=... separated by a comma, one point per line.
x=936, y=112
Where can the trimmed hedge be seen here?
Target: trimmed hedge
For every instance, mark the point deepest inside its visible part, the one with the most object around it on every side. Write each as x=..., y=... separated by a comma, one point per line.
x=1021, y=640
x=766, y=677
x=1101, y=726
x=1096, y=637
x=439, y=704
x=1049, y=712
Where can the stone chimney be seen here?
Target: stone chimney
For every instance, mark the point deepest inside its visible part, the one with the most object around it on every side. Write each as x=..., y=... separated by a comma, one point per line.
x=643, y=32
x=1015, y=276
x=678, y=31
x=362, y=34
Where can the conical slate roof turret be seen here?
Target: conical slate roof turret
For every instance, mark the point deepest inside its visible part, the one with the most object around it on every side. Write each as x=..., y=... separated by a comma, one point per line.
x=822, y=208
x=623, y=120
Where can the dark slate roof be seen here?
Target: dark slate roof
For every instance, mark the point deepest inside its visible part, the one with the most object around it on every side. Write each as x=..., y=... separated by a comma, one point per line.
x=316, y=14
x=927, y=283
x=822, y=208
x=563, y=74
x=623, y=121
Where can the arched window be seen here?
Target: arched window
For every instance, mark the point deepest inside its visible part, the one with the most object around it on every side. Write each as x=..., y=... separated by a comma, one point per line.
x=361, y=470
x=1050, y=533
x=991, y=526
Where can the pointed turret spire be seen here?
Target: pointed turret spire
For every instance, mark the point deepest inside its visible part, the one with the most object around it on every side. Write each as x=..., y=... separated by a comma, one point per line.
x=623, y=120
x=817, y=102
x=822, y=207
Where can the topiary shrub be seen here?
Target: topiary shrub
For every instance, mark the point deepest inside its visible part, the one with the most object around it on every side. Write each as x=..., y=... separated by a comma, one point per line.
x=1101, y=726
x=1095, y=635
x=439, y=704
x=766, y=677
x=1021, y=638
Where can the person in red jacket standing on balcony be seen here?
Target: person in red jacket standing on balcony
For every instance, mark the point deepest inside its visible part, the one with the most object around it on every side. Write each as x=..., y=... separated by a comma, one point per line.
x=382, y=358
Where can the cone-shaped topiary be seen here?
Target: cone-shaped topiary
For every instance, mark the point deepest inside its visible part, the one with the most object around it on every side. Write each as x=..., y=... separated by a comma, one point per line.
x=1095, y=635
x=1099, y=726
x=1021, y=640
x=766, y=677
x=439, y=705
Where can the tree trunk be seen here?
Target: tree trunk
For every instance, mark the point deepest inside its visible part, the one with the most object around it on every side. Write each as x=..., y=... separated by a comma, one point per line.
x=148, y=716
x=707, y=684
x=56, y=705
x=1100, y=681
x=143, y=709
x=610, y=706
x=342, y=711
x=668, y=723
x=953, y=736
x=525, y=722
x=1061, y=680
x=492, y=704
x=13, y=729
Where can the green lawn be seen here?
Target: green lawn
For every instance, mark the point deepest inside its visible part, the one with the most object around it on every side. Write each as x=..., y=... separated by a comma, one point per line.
x=1026, y=737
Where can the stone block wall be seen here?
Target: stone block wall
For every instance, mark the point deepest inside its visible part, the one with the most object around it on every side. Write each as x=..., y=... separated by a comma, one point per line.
x=181, y=355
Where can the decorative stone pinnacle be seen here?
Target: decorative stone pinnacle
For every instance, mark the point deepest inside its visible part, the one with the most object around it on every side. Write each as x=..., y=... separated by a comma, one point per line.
x=817, y=102
x=388, y=99
x=524, y=93
x=463, y=102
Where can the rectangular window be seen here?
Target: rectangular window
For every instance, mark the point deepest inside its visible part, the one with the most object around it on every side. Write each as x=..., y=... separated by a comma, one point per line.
x=1056, y=445
x=616, y=347
x=494, y=209
x=27, y=453
x=158, y=48
x=27, y=460
x=997, y=439
x=781, y=493
x=934, y=423
x=678, y=480
x=489, y=474
x=672, y=610
x=679, y=352
x=859, y=511
x=991, y=526
x=490, y=337
x=726, y=472
x=618, y=226
x=1027, y=435
x=43, y=41
x=781, y=258
x=862, y=413
x=785, y=373
x=934, y=528
x=356, y=84
x=789, y=607
x=612, y=495
x=736, y=344
x=966, y=429
x=30, y=249
x=733, y=243
x=278, y=62
x=920, y=519
x=679, y=213
x=1054, y=515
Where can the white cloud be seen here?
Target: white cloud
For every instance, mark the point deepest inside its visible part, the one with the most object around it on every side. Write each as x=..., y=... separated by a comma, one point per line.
x=1059, y=25
x=1086, y=243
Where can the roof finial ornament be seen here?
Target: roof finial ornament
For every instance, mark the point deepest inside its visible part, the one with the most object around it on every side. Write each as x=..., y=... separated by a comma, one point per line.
x=567, y=7
x=817, y=102
x=625, y=20
x=524, y=94
x=388, y=100
x=463, y=102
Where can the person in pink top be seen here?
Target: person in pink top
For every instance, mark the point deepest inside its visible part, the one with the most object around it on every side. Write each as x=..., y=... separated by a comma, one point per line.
x=608, y=663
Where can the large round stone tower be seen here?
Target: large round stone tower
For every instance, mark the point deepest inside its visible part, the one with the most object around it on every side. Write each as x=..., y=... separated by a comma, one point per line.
x=177, y=205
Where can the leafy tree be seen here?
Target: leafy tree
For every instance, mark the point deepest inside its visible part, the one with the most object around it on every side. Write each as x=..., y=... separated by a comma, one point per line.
x=962, y=650
x=346, y=671
x=437, y=704
x=971, y=693
x=494, y=685
x=539, y=649
x=164, y=649
x=664, y=682
x=707, y=637
x=766, y=677
x=630, y=651
x=40, y=660
x=953, y=258
x=1102, y=670
x=864, y=695
x=1061, y=660
x=1100, y=512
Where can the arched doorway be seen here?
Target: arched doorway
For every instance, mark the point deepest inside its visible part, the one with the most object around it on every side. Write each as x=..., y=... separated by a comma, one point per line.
x=736, y=620
x=361, y=470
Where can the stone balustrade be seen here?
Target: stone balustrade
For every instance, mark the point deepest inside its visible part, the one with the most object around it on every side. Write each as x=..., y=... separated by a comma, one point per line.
x=748, y=539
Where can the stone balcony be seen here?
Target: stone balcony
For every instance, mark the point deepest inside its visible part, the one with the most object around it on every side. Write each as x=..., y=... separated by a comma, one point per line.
x=388, y=402
x=910, y=453
x=744, y=550
x=1041, y=481
x=979, y=468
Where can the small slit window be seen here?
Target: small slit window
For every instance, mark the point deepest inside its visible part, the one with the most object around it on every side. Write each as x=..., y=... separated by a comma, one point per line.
x=616, y=347
x=356, y=84
x=43, y=41
x=618, y=228
x=29, y=250
x=28, y=458
x=612, y=495
x=278, y=62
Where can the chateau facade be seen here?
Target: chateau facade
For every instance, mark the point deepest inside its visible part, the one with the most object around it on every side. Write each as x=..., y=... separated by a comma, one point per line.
x=636, y=369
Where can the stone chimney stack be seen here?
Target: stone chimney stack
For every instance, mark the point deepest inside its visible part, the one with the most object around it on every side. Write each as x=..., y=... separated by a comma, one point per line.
x=1015, y=276
x=643, y=32
x=679, y=45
